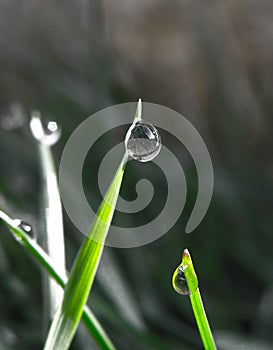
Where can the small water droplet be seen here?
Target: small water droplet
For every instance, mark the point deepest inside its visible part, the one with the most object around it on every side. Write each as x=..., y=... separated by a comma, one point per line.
x=179, y=281
x=142, y=141
x=46, y=132
x=25, y=226
x=13, y=117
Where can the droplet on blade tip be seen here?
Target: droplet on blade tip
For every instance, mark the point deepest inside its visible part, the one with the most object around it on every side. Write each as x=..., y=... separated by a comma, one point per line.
x=179, y=281
x=142, y=141
x=46, y=132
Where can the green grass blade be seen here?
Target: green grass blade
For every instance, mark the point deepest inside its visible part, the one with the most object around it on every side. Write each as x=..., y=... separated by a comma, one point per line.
x=89, y=319
x=138, y=115
x=53, y=238
x=68, y=315
x=202, y=321
x=196, y=300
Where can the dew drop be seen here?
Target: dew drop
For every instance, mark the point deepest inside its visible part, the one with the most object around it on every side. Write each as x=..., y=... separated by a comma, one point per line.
x=179, y=281
x=142, y=141
x=47, y=132
x=25, y=226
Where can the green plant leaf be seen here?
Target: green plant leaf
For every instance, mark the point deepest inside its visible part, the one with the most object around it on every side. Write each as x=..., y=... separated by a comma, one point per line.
x=69, y=313
x=89, y=319
x=84, y=269
x=67, y=317
x=187, y=284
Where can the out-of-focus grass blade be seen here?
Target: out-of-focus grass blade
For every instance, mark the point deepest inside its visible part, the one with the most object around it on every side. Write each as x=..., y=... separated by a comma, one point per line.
x=51, y=207
x=89, y=319
x=119, y=291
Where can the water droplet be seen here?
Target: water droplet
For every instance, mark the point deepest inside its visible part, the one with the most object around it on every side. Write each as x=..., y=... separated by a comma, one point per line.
x=142, y=141
x=46, y=132
x=179, y=281
x=13, y=117
x=26, y=227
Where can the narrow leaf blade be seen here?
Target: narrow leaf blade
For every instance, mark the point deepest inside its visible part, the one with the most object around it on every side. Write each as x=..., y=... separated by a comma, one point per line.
x=83, y=272
x=197, y=303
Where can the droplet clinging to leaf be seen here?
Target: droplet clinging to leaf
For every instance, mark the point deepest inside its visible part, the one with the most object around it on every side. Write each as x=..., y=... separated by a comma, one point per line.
x=142, y=142
x=184, y=279
x=46, y=132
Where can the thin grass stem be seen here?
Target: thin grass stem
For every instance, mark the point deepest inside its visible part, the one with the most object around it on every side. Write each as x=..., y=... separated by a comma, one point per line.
x=185, y=282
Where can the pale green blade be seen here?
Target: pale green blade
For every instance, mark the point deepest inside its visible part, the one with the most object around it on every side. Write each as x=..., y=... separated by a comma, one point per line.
x=53, y=235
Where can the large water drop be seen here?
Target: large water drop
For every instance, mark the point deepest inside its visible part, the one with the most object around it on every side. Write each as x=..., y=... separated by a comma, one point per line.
x=179, y=281
x=142, y=141
x=184, y=278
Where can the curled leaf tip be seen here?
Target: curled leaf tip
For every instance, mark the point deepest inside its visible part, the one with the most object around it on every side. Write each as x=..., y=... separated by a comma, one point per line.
x=186, y=258
x=186, y=254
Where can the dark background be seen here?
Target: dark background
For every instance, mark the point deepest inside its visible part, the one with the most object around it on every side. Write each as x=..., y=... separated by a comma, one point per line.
x=211, y=61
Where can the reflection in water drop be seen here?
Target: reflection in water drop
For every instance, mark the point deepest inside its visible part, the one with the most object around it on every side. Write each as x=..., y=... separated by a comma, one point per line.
x=142, y=141
x=48, y=133
x=179, y=281
x=52, y=126
x=13, y=118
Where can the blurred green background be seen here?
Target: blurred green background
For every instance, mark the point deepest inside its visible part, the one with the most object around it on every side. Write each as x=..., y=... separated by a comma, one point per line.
x=210, y=61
